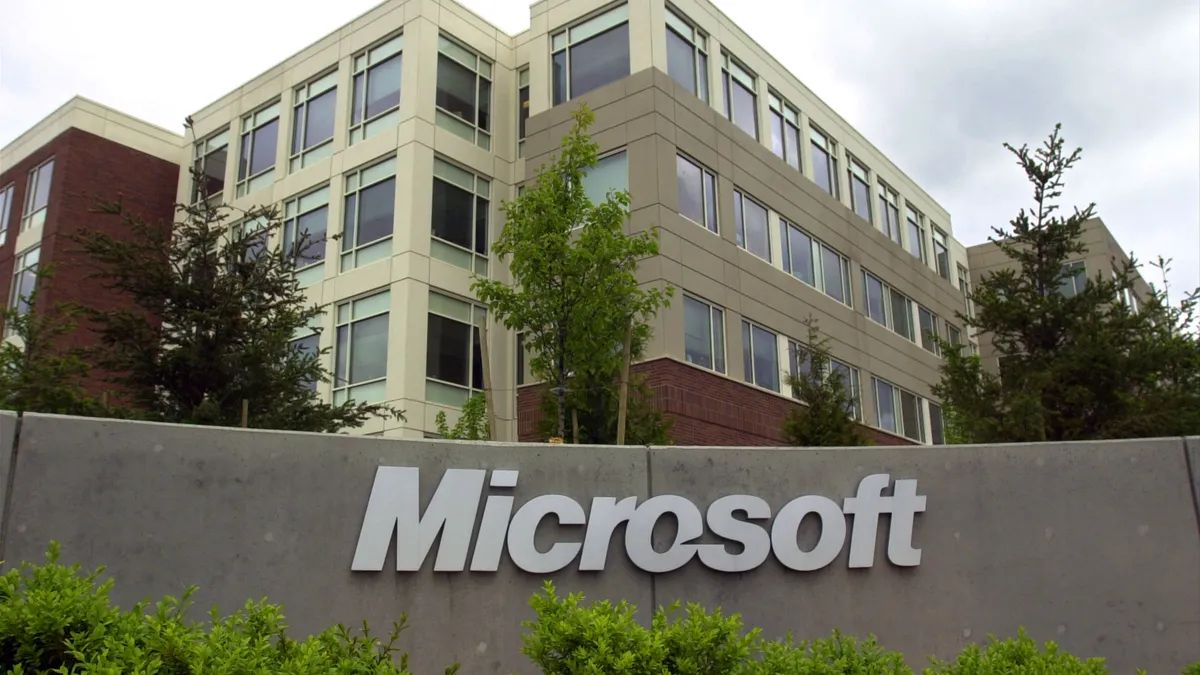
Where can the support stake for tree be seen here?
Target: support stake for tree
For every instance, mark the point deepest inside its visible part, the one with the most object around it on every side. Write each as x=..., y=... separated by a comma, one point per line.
x=623, y=400
x=487, y=380
x=245, y=412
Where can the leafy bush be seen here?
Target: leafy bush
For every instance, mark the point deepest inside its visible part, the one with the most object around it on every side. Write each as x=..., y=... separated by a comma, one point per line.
x=1019, y=656
x=836, y=655
x=55, y=620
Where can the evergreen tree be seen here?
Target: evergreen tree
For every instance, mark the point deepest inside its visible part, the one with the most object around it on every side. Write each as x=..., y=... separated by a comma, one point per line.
x=825, y=417
x=217, y=311
x=575, y=287
x=1071, y=366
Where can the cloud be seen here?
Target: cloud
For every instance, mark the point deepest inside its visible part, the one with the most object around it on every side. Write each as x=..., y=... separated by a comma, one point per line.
x=938, y=85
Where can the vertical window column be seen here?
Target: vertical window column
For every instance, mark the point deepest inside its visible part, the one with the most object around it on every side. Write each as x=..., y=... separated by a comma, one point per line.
x=522, y=108
x=361, y=350
x=375, y=104
x=453, y=356
x=24, y=278
x=741, y=95
x=785, y=131
x=209, y=159
x=697, y=193
x=37, y=195
x=703, y=334
x=460, y=217
x=305, y=224
x=368, y=215
x=760, y=356
x=464, y=93
x=6, y=201
x=824, y=159
x=753, y=232
x=860, y=189
x=889, y=212
x=260, y=140
x=964, y=285
x=916, y=233
x=687, y=55
x=312, y=121
x=941, y=253
x=589, y=55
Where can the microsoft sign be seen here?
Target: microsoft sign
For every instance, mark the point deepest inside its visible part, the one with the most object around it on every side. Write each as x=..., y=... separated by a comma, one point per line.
x=394, y=509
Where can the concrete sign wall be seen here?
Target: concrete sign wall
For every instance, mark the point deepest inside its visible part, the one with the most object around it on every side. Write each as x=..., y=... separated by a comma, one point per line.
x=1094, y=545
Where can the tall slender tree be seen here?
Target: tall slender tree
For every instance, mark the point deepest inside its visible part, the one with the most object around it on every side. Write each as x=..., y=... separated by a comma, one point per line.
x=826, y=416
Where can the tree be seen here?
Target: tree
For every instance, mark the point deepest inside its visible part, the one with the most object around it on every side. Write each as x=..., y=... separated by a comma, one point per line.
x=575, y=288
x=215, y=318
x=1072, y=366
x=36, y=373
x=825, y=417
x=472, y=425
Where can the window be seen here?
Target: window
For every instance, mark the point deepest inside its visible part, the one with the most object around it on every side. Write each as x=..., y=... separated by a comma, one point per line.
x=937, y=428
x=941, y=252
x=860, y=190
x=309, y=342
x=611, y=174
x=256, y=232
x=453, y=356
x=814, y=263
x=522, y=108
x=899, y=411
x=376, y=85
x=697, y=193
x=37, y=195
x=24, y=278
x=852, y=384
x=305, y=224
x=785, y=131
x=687, y=55
x=752, y=231
x=6, y=200
x=953, y=335
x=368, y=214
x=464, y=93
x=800, y=362
x=760, y=356
x=703, y=334
x=835, y=269
x=260, y=139
x=741, y=101
x=964, y=285
x=312, y=121
x=887, y=306
x=1074, y=283
x=929, y=330
x=916, y=233
x=361, y=350
x=824, y=158
x=209, y=159
x=460, y=217
x=590, y=55
x=889, y=212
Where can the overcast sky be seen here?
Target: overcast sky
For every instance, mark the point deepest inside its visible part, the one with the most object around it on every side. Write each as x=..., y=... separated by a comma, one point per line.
x=937, y=85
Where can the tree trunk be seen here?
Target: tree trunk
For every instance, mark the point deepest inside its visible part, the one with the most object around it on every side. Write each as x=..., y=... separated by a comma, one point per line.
x=562, y=392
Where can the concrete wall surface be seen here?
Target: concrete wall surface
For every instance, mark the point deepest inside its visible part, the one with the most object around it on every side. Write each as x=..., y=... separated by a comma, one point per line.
x=1093, y=545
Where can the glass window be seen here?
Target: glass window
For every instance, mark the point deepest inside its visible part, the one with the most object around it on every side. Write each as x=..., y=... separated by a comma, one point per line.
x=704, y=334
x=361, y=350
x=376, y=86
x=309, y=344
x=912, y=417
x=312, y=121
x=24, y=278
x=785, y=131
x=929, y=330
x=453, y=356
x=368, y=214
x=260, y=140
x=873, y=299
x=916, y=233
x=464, y=93
x=687, y=55
x=860, y=190
x=824, y=157
x=1074, y=283
x=305, y=226
x=885, y=406
x=752, y=232
x=461, y=208
x=522, y=108
x=697, y=193
x=836, y=272
x=889, y=212
x=209, y=159
x=760, y=355
x=611, y=174
x=797, y=253
x=953, y=335
x=901, y=314
x=37, y=195
x=852, y=385
x=741, y=99
x=964, y=285
x=941, y=252
x=6, y=201
x=937, y=428
x=590, y=55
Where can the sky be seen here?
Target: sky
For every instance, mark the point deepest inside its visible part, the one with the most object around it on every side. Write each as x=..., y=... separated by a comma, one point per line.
x=937, y=85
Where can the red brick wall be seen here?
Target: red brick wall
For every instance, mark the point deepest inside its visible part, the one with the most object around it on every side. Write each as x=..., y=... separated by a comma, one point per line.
x=86, y=167
x=705, y=408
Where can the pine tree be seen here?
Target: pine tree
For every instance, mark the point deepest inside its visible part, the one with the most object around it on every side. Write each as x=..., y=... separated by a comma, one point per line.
x=825, y=417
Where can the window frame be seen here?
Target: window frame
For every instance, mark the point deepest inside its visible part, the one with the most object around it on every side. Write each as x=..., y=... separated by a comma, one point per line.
x=898, y=394
x=607, y=155
x=363, y=64
x=17, y=294
x=964, y=287
x=202, y=151
x=698, y=39
x=480, y=190
x=7, y=194
x=343, y=391
x=708, y=182
x=819, y=140
x=31, y=217
x=739, y=218
x=295, y=208
x=477, y=131
x=302, y=97
x=941, y=251
x=716, y=314
x=750, y=376
x=522, y=108
x=477, y=315
x=853, y=168
x=356, y=249
x=853, y=385
x=568, y=44
x=937, y=428
x=817, y=249
x=1081, y=273
x=889, y=217
x=248, y=139
x=788, y=117
x=735, y=73
x=915, y=220
x=888, y=308
x=935, y=323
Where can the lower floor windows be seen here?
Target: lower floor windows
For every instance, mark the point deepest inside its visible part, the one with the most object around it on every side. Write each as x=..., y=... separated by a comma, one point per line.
x=703, y=334
x=760, y=356
x=898, y=410
x=360, y=352
x=937, y=430
x=453, y=353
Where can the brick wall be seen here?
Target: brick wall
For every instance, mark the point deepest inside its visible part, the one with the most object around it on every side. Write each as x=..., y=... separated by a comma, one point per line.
x=705, y=408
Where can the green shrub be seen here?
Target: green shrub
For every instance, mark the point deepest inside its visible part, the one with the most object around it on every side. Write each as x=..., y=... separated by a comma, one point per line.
x=55, y=620
x=1193, y=669
x=1019, y=656
x=836, y=655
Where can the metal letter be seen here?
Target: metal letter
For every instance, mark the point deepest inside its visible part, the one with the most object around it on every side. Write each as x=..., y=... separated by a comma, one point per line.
x=784, y=533
x=524, y=525
x=607, y=513
x=492, y=531
x=905, y=505
x=394, y=506
x=755, y=539
x=639, y=545
x=866, y=508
